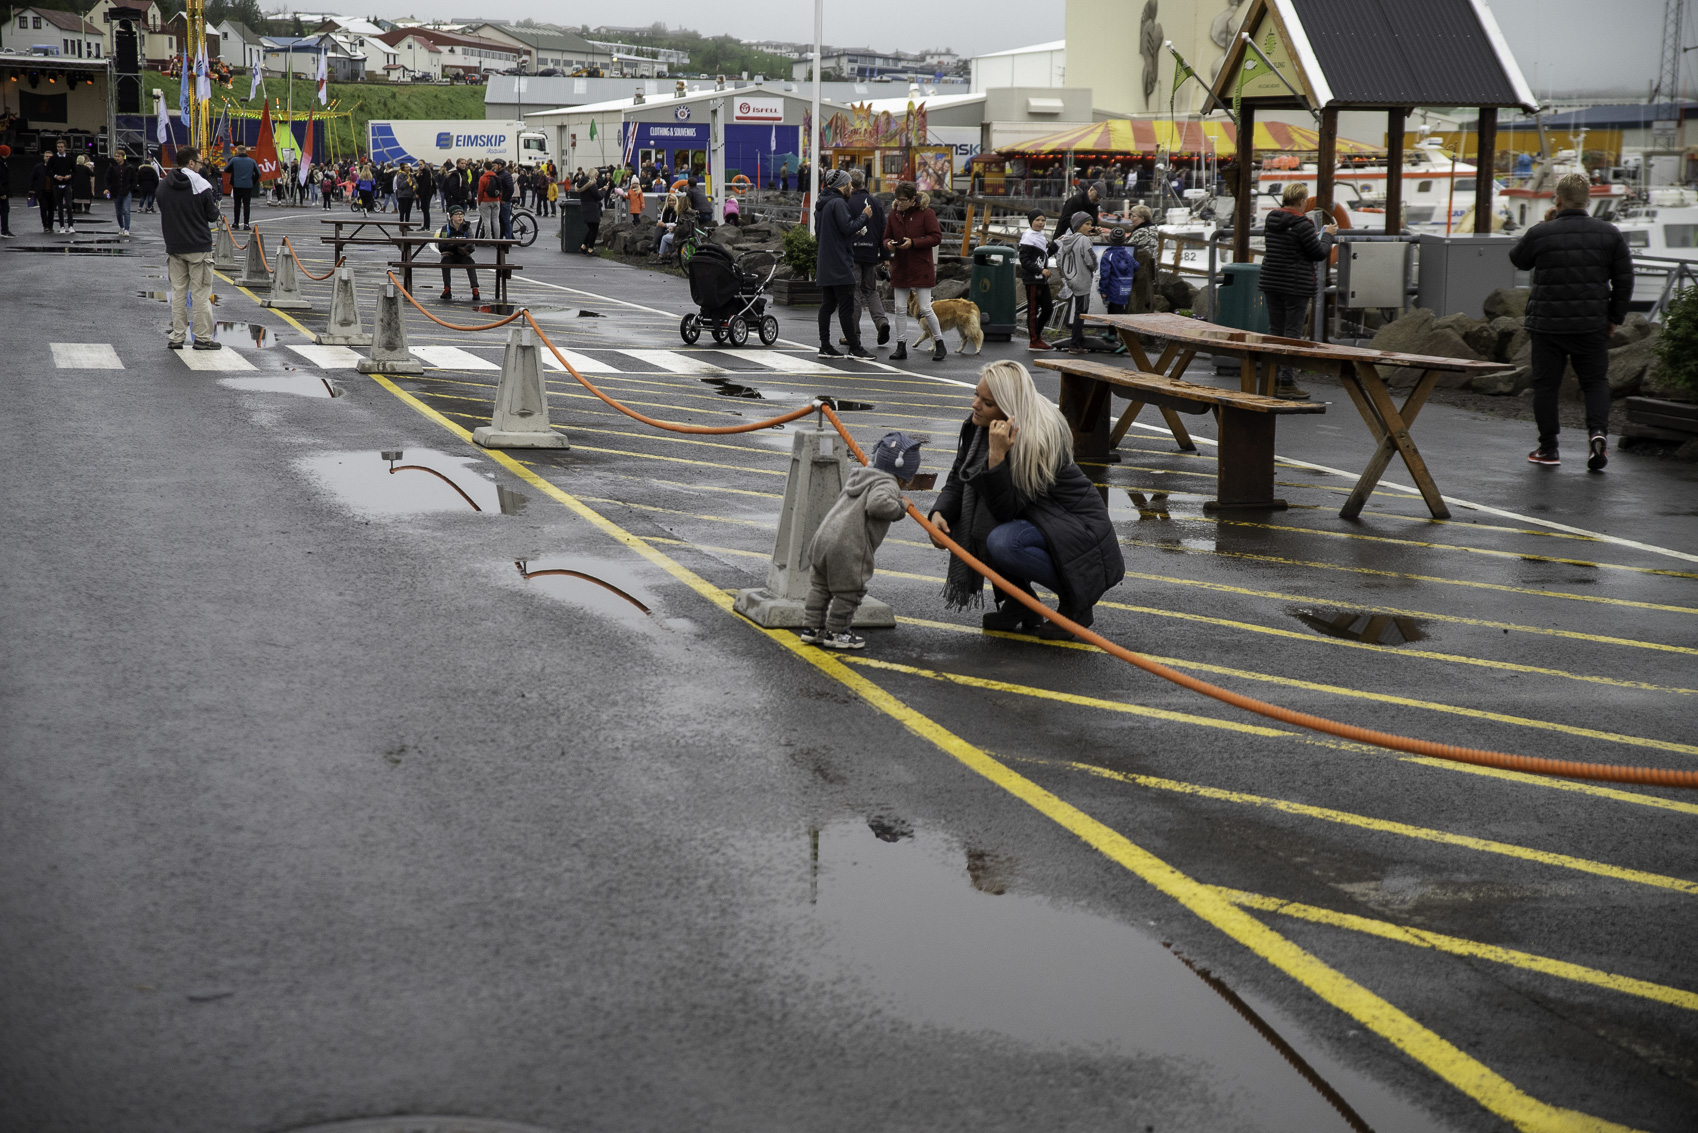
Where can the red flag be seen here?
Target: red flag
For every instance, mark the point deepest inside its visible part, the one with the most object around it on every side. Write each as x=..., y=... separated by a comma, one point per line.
x=306, y=150
x=265, y=150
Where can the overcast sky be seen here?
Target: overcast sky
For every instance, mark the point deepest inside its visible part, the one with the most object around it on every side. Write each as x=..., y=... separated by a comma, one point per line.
x=1562, y=45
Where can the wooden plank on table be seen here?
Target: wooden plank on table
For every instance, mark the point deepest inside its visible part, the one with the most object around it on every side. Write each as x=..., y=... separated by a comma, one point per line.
x=1157, y=389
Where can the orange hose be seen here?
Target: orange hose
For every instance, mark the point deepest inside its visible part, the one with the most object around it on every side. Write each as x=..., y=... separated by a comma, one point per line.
x=302, y=268
x=669, y=426
x=454, y=326
x=1561, y=768
x=1532, y=765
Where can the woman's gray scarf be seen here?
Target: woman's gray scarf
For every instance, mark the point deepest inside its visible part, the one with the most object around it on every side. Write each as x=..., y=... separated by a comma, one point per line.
x=964, y=586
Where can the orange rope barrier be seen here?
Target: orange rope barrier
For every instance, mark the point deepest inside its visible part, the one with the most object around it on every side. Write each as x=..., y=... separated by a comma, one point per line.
x=1533, y=765
x=289, y=246
x=232, y=232
x=455, y=326
x=1561, y=768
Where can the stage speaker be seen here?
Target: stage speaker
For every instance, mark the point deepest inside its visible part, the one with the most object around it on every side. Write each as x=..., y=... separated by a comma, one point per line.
x=127, y=67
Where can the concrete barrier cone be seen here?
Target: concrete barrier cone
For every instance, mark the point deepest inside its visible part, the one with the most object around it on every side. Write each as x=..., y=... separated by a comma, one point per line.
x=224, y=250
x=389, y=353
x=521, y=402
x=345, y=328
x=817, y=461
x=254, y=274
x=286, y=288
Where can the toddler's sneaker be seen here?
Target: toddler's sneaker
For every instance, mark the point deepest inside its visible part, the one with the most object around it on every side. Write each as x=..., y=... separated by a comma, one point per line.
x=812, y=635
x=844, y=640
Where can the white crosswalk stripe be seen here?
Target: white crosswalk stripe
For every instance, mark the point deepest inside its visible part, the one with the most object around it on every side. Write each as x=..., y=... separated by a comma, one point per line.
x=328, y=357
x=85, y=356
x=452, y=358
x=786, y=363
x=676, y=362
x=225, y=359
x=582, y=363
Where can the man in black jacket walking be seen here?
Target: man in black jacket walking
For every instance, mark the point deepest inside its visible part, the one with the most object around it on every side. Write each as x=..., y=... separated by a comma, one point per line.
x=61, y=168
x=867, y=250
x=1582, y=281
x=188, y=209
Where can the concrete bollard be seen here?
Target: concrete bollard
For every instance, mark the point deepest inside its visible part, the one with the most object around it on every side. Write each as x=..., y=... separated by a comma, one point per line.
x=816, y=480
x=286, y=288
x=345, y=328
x=389, y=353
x=223, y=250
x=254, y=274
x=521, y=402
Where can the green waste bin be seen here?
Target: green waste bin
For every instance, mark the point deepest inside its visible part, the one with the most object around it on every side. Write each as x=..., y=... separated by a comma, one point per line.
x=572, y=227
x=1239, y=304
x=992, y=288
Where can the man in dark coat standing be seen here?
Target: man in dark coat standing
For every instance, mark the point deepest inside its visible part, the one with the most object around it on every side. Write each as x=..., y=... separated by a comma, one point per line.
x=1582, y=281
x=188, y=209
x=866, y=252
x=244, y=179
x=835, y=228
x=1088, y=201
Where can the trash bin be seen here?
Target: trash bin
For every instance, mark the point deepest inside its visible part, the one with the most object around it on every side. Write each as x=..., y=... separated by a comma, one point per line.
x=572, y=227
x=992, y=288
x=1239, y=304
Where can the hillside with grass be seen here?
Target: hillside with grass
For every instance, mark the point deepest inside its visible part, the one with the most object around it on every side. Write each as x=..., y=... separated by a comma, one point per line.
x=365, y=100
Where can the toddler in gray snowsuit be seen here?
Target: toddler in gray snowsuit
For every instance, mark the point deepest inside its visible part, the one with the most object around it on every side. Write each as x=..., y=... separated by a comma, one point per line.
x=843, y=548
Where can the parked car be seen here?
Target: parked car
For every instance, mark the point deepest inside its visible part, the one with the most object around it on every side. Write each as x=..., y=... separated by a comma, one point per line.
x=550, y=73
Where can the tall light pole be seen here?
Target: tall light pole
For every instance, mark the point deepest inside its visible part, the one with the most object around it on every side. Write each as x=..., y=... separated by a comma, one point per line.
x=814, y=122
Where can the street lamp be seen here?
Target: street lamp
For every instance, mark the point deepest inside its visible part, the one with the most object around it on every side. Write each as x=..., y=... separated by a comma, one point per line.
x=814, y=122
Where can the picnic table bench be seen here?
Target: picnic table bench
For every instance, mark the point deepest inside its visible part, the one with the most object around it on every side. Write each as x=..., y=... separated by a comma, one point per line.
x=409, y=245
x=1244, y=473
x=1356, y=367
x=359, y=224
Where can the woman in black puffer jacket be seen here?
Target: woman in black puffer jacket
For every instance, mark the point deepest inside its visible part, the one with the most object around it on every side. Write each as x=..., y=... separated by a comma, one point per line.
x=1016, y=500
x=1288, y=274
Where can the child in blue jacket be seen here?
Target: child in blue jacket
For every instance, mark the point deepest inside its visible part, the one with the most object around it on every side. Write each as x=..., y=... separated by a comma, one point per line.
x=1115, y=269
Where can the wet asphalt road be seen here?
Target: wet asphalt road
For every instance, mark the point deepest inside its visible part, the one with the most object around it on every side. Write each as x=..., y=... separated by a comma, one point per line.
x=314, y=808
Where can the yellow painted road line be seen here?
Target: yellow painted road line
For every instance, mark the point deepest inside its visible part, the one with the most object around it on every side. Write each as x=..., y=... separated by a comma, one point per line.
x=1498, y=586
x=706, y=549
x=767, y=525
x=1330, y=603
x=1656, y=802
x=1398, y=829
x=1460, y=1070
x=1474, y=949
x=1354, y=693
x=1069, y=698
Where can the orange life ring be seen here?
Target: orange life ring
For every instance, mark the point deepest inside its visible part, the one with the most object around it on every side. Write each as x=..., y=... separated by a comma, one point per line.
x=739, y=185
x=681, y=183
x=1339, y=217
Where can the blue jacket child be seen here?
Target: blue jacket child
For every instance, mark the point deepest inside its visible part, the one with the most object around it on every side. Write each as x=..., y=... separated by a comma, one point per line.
x=1115, y=269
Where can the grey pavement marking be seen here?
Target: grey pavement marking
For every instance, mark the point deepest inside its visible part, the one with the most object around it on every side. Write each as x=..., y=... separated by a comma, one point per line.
x=85, y=356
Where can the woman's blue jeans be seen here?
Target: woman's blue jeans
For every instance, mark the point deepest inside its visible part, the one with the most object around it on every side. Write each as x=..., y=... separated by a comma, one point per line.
x=1019, y=552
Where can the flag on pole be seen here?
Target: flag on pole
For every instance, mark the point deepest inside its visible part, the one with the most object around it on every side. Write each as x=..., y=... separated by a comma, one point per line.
x=630, y=142
x=183, y=86
x=255, y=82
x=306, y=156
x=265, y=149
x=1181, y=71
x=772, y=142
x=323, y=77
x=592, y=129
x=162, y=127
x=203, y=77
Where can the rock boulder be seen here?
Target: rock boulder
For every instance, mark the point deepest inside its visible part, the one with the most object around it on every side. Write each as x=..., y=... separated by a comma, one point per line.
x=1507, y=301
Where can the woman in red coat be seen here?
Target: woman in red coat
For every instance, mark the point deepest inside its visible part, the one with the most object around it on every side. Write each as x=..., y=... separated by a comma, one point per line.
x=910, y=233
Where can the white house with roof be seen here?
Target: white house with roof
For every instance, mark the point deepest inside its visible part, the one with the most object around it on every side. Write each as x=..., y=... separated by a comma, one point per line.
x=416, y=55
x=239, y=45
x=66, y=33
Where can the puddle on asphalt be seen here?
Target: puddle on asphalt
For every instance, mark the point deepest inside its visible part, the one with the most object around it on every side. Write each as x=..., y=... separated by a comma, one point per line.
x=731, y=389
x=843, y=406
x=1363, y=625
x=73, y=250
x=539, y=312
x=422, y=480
x=511, y=501
x=931, y=926
x=304, y=385
x=165, y=296
x=1128, y=503
x=245, y=335
x=595, y=585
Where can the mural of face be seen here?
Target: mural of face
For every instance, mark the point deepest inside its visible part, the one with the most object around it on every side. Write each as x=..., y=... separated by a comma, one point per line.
x=1149, y=47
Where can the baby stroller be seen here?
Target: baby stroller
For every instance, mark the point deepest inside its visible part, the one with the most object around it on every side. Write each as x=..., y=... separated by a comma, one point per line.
x=731, y=295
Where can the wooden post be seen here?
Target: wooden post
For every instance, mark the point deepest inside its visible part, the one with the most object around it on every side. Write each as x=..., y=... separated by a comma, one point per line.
x=1326, y=162
x=1244, y=204
x=967, y=230
x=1486, y=163
x=1394, y=170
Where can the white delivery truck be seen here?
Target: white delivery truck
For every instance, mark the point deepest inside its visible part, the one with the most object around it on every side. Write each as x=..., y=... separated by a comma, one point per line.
x=439, y=140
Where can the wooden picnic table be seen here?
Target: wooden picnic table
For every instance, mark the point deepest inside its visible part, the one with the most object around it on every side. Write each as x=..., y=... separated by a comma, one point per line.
x=1260, y=355
x=408, y=245
x=360, y=223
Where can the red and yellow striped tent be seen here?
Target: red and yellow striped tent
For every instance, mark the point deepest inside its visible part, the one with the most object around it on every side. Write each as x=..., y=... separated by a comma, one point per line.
x=1119, y=136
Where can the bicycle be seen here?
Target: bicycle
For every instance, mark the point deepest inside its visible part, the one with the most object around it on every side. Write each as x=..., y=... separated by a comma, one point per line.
x=524, y=223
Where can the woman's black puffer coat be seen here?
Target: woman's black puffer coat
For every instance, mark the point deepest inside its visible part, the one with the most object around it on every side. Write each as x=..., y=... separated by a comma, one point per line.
x=1072, y=516
x=1294, y=249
